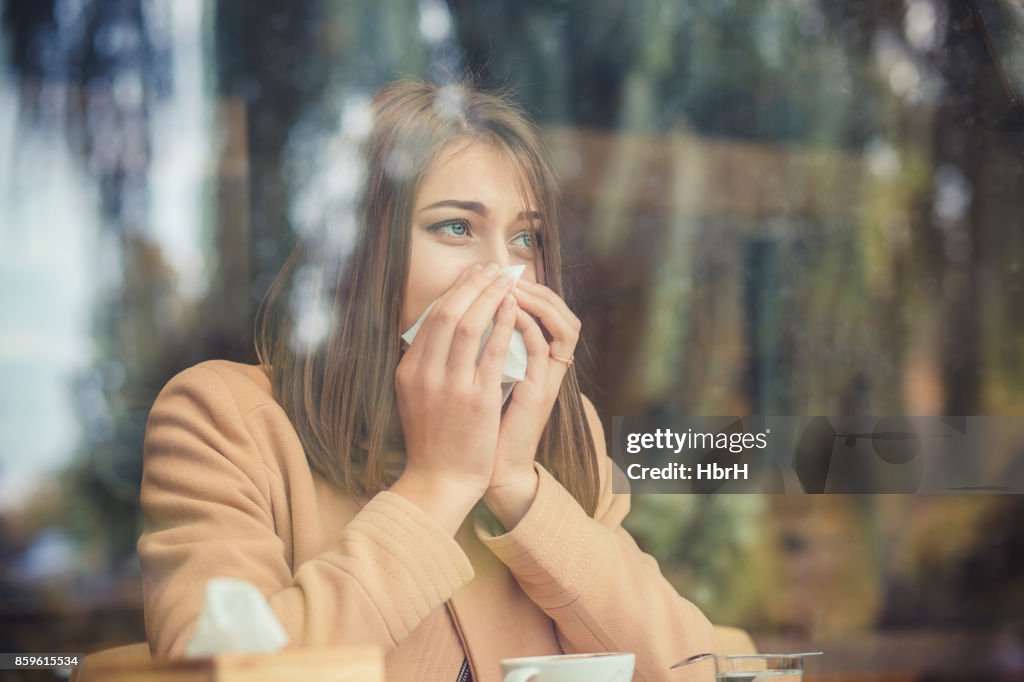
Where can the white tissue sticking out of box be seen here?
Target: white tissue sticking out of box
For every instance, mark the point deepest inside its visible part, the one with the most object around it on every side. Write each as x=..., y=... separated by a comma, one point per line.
x=515, y=361
x=235, y=618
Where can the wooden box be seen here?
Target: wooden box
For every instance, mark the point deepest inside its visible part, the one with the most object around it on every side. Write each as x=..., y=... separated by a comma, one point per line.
x=309, y=665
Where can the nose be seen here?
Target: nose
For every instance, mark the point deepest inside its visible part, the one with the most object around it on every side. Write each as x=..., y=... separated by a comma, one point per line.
x=495, y=251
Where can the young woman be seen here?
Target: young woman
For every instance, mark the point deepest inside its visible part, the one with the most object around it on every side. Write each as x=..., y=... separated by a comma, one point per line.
x=383, y=494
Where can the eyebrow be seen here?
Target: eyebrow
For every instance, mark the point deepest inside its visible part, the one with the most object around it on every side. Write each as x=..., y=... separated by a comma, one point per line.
x=478, y=208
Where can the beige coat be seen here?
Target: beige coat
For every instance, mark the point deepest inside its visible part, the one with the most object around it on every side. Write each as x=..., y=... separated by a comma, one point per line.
x=227, y=491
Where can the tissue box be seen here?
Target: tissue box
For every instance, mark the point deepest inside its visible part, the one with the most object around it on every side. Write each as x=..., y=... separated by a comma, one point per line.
x=348, y=664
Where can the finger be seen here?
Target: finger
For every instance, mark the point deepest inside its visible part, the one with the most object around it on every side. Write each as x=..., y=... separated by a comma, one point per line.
x=557, y=319
x=468, y=333
x=538, y=352
x=492, y=363
x=548, y=294
x=439, y=327
x=415, y=352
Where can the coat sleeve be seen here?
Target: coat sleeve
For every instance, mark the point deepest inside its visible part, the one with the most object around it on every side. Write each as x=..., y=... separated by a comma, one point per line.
x=206, y=502
x=594, y=582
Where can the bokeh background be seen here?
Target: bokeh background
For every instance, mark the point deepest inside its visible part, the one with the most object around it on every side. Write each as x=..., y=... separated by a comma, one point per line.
x=793, y=207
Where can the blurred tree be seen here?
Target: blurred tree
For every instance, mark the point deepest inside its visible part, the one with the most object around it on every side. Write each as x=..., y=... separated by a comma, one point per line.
x=107, y=65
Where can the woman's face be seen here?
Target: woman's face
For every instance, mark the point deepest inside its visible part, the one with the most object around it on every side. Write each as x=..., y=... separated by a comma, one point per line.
x=467, y=211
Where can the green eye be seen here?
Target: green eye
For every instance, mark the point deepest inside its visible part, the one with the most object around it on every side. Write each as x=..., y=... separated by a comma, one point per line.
x=455, y=228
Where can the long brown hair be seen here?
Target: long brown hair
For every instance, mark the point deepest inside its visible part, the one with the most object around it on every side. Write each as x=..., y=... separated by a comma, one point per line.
x=338, y=388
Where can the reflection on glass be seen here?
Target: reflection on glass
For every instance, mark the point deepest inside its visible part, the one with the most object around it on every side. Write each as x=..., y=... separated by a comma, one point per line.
x=779, y=208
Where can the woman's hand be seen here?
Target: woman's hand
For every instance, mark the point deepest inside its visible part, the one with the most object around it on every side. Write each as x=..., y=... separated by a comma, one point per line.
x=513, y=482
x=451, y=407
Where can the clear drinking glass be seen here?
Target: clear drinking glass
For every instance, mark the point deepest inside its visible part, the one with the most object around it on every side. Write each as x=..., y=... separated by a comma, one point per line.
x=756, y=667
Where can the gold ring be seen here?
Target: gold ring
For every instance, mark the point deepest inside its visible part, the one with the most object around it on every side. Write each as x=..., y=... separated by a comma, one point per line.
x=565, y=361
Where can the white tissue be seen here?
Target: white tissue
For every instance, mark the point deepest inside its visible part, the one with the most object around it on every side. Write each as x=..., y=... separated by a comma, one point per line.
x=235, y=617
x=515, y=361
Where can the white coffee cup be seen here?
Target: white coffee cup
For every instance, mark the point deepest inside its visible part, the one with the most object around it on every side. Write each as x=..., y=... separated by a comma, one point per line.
x=603, y=667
